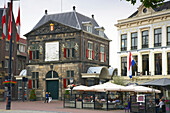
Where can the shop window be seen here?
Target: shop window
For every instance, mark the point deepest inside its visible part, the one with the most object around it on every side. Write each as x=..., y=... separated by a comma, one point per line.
x=124, y=66
x=158, y=64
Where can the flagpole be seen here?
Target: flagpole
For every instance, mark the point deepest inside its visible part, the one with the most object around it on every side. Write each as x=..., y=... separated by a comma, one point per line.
x=8, y=100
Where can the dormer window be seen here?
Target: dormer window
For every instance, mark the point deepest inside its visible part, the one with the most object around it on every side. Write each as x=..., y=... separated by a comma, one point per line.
x=88, y=26
x=89, y=29
x=101, y=31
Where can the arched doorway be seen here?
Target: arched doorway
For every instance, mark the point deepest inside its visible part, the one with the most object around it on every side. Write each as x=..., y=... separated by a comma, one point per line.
x=52, y=84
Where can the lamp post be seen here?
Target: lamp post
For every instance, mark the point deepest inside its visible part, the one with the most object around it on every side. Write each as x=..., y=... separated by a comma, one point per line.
x=8, y=99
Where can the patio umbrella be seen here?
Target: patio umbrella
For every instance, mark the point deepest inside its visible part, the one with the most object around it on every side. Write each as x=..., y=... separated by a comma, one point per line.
x=113, y=87
x=80, y=88
x=108, y=86
x=143, y=89
x=159, y=82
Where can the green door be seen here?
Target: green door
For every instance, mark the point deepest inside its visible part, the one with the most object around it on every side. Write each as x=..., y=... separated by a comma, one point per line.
x=52, y=86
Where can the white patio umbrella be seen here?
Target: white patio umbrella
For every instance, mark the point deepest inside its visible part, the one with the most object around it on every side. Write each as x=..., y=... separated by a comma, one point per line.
x=80, y=88
x=143, y=89
x=113, y=87
x=108, y=86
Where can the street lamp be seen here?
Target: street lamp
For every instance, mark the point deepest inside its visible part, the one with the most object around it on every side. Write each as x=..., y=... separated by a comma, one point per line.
x=8, y=99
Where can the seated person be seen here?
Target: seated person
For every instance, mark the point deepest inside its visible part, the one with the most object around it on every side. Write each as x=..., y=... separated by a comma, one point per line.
x=91, y=98
x=79, y=99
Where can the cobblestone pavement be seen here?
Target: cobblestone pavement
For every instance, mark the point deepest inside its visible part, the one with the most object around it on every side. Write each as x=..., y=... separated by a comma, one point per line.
x=41, y=107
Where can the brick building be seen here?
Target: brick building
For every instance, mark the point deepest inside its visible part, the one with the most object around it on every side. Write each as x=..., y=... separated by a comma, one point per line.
x=18, y=57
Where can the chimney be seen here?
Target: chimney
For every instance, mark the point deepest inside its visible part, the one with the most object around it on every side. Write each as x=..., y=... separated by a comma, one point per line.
x=92, y=16
x=74, y=8
x=46, y=12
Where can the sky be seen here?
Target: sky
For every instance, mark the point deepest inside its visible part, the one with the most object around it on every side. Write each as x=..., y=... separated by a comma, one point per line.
x=106, y=13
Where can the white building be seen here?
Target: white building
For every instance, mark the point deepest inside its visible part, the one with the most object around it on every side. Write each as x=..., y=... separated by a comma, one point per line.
x=146, y=33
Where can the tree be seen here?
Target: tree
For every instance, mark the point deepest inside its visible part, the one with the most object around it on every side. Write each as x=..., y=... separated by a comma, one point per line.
x=149, y=3
x=32, y=95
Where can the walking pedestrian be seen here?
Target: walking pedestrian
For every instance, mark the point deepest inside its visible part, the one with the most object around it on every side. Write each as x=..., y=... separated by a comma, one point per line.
x=49, y=97
x=46, y=97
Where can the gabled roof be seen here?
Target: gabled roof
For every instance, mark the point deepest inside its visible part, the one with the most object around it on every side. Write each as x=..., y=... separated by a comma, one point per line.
x=165, y=6
x=72, y=19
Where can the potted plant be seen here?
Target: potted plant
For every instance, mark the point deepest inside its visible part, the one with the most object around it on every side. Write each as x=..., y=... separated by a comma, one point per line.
x=32, y=95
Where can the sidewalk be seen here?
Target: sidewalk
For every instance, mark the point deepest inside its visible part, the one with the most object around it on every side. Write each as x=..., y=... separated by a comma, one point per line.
x=41, y=107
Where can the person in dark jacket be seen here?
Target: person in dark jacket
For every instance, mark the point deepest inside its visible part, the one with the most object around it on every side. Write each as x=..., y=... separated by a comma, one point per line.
x=46, y=97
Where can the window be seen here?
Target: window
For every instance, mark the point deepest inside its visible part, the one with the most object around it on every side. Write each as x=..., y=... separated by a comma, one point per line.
x=157, y=37
x=7, y=46
x=168, y=35
x=19, y=65
x=145, y=64
x=102, y=53
x=6, y=63
x=70, y=74
x=97, y=52
x=135, y=67
x=168, y=61
x=22, y=48
x=124, y=66
x=124, y=42
x=35, y=80
x=133, y=41
x=34, y=53
x=90, y=50
x=69, y=50
x=145, y=39
x=101, y=33
x=84, y=47
x=158, y=64
x=52, y=74
x=89, y=29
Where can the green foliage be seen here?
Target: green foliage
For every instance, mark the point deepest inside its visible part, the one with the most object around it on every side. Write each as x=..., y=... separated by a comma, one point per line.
x=67, y=92
x=148, y=3
x=32, y=95
x=118, y=80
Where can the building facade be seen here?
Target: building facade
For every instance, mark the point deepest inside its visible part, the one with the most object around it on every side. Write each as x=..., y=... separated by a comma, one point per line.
x=146, y=33
x=4, y=57
x=60, y=48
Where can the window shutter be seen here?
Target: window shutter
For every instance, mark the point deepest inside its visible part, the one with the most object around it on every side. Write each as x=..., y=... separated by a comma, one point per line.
x=64, y=83
x=105, y=57
x=30, y=55
x=30, y=84
x=72, y=52
x=37, y=54
x=65, y=52
x=100, y=56
x=93, y=55
x=87, y=53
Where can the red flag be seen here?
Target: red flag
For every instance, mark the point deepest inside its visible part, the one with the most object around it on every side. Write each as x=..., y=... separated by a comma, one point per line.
x=10, y=23
x=4, y=22
x=18, y=24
